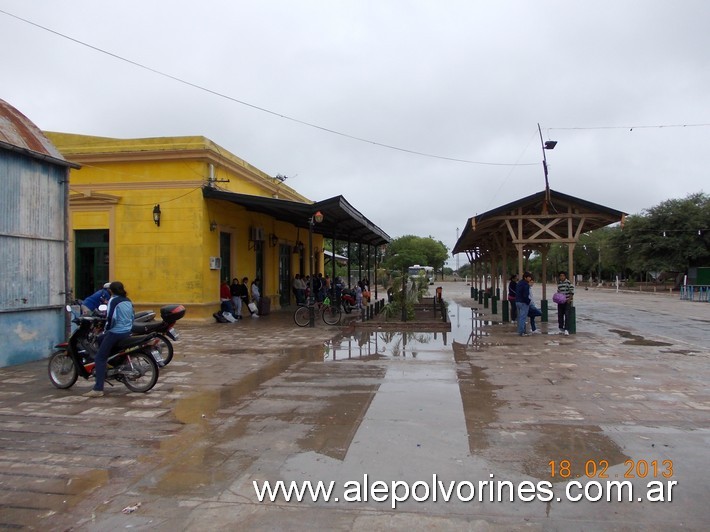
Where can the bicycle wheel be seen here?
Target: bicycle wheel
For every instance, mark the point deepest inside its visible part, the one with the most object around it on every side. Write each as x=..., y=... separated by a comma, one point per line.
x=301, y=316
x=331, y=315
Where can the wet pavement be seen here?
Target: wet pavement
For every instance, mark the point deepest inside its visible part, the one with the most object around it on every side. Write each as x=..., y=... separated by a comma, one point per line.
x=625, y=399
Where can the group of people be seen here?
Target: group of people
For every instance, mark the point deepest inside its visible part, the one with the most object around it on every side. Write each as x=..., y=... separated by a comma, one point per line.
x=302, y=286
x=523, y=306
x=238, y=295
x=323, y=286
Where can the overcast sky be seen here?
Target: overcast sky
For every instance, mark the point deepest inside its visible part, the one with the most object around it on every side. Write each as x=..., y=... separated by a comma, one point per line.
x=464, y=80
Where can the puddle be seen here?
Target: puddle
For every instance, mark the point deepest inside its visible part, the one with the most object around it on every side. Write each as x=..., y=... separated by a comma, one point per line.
x=585, y=447
x=635, y=339
x=340, y=418
x=526, y=448
x=368, y=345
x=317, y=407
x=478, y=396
x=196, y=407
x=686, y=352
x=193, y=459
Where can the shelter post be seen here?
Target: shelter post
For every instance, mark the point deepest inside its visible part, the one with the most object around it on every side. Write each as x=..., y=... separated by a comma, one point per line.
x=572, y=327
x=543, y=298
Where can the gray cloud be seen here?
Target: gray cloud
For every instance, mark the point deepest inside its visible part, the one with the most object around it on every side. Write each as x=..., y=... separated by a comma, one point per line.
x=460, y=79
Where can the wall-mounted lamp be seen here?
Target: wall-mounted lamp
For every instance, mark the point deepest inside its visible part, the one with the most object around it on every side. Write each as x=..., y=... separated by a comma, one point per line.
x=298, y=246
x=213, y=225
x=156, y=214
x=273, y=240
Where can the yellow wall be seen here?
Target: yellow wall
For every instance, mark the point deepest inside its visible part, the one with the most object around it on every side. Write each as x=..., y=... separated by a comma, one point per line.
x=120, y=182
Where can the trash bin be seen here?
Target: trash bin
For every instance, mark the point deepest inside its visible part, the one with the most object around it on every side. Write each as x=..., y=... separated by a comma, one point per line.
x=264, y=306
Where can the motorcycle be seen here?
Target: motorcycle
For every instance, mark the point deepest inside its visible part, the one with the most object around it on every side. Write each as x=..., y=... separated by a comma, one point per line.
x=164, y=330
x=132, y=360
x=144, y=316
x=347, y=300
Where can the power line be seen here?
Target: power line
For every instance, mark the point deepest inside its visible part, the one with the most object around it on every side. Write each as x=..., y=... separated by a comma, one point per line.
x=630, y=128
x=253, y=106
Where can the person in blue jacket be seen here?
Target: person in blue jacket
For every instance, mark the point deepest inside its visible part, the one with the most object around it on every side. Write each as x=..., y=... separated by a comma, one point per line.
x=91, y=303
x=522, y=301
x=119, y=320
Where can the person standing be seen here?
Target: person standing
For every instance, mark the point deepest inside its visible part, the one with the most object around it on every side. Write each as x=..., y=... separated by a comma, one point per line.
x=522, y=301
x=119, y=321
x=243, y=293
x=533, y=311
x=511, y=297
x=255, y=296
x=358, y=295
x=316, y=295
x=564, y=286
x=299, y=286
x=236, y=299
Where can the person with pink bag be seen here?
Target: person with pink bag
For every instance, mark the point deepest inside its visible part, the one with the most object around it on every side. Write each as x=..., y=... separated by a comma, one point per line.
x=563, y=297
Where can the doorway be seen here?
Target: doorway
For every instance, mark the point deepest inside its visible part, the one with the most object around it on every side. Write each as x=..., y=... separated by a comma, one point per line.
x=225, y=254
x=91, y=261
x=284, y=275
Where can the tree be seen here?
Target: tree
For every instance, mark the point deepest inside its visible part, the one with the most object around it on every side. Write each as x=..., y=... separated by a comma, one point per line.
x=672, y=236
x=409, y=250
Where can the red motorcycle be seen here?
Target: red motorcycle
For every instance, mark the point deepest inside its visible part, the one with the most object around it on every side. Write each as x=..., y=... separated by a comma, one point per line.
x=132, y=360
x=347, y=301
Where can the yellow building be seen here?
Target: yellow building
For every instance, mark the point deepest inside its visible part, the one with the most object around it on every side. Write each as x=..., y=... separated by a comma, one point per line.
x=171, y=216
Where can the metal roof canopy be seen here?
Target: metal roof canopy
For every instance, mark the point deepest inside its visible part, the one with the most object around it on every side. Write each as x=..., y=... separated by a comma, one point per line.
x=19, y=134
x=340, y=219
x=537, y=220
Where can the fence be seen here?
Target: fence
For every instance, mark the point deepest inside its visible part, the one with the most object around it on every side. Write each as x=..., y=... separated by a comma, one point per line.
x=695, y=292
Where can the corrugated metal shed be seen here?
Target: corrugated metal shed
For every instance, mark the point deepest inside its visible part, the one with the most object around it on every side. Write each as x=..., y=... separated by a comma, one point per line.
x=19, y=133
x=33, y=240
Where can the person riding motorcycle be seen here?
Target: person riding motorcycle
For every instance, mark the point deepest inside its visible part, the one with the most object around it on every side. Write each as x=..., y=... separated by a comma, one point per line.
x=119, y=320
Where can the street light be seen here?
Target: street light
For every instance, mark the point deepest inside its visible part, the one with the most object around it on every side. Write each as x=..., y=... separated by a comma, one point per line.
x=315, y=219
x=546, y=145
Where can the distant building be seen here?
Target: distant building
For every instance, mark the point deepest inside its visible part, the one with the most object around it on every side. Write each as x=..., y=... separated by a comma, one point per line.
x=33, y=240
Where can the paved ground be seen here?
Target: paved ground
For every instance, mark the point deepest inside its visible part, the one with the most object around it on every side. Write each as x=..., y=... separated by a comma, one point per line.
x=624, y=399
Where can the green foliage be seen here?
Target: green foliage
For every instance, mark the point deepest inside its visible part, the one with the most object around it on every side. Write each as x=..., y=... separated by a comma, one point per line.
x=670, y=237
x=408, y=250
x=393, y=311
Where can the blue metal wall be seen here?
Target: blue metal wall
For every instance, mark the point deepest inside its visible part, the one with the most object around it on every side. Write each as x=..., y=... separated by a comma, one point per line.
x=32, y=256
x=29, y=336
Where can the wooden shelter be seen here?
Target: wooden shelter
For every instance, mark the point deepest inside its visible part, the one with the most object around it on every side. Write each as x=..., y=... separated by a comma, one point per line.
x=532, y=224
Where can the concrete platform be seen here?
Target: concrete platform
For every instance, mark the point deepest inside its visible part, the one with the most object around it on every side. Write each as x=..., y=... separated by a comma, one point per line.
x=624, y=400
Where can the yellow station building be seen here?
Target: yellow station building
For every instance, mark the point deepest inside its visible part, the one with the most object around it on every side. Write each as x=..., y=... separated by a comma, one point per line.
x=172, y=216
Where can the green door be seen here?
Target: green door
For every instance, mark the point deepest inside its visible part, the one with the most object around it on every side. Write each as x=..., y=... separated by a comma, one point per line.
x=285, y=275
x=91, y=260
x=225, y=253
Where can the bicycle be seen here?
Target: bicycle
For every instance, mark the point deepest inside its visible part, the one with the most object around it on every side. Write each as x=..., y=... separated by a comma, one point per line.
x=330, y=314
